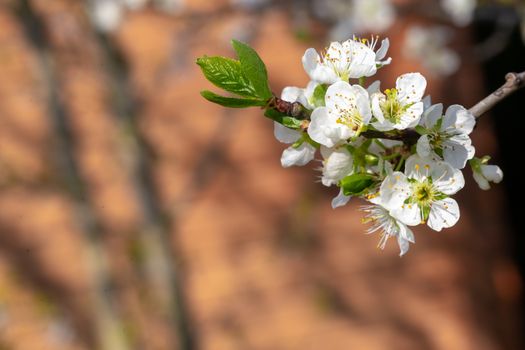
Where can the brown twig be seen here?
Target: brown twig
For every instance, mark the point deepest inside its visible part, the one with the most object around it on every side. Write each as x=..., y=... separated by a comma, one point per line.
x=514, y=81
x=294, y=109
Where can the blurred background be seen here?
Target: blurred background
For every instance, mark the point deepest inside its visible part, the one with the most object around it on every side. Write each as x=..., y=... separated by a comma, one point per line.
x=136, y=215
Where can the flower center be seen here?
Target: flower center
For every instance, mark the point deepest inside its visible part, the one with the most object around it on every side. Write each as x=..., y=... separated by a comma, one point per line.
x=424, y=193
x=436, y=141
x=391, y=107
x=352, y=119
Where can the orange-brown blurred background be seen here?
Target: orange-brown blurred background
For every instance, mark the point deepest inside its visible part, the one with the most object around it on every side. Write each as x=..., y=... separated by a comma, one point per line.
x=136, y=215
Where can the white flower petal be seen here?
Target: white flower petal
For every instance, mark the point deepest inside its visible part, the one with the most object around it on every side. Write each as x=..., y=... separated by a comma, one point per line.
x=409, y=214
x=337, y=55
x=481, y=181
x=319, y=125
x=362, y=60
x=307, y=94
x=340, y=200
x=310, y=61
x=432, y=115
x=451, y=116
x=403, y=245
x=471, y=151
x=291, y=93
x=338, y=165
x=317, y=71
x=339, y=96
x=450, y=181
x=326, y=151
x=465, y=121
x=406, y=233
x=443, y=214
x=377, y=99
x=411, y=87
x=419, y=168
x=381, y=52
x=492, y=173
x=411, y=117
x=455, y=154
x=284, y=134
x=385, y=125
x=362, y=102
x=374, y=87
x=299, y=156
x=423, y=147
x=427, y=102
x=394, y=190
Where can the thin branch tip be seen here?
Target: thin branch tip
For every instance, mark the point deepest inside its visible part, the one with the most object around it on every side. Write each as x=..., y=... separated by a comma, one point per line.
x=513, y=82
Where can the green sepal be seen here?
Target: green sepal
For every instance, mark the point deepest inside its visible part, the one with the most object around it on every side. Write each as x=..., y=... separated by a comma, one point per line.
x=232, y=102
x=421, y=130
x=425, y=211
x=440, y=196
x=226, y=74
x=438, y=124
x=318, y=97
x=253, y=69
x=289, y=122
x=356, y=184
x=371, y=159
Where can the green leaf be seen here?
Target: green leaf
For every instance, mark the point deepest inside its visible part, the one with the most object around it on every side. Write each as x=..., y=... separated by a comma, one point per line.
x=289, y=122
x=356, y=183
x=253, y=69
x=317, y=98
x=226, y=74
x=232, y=101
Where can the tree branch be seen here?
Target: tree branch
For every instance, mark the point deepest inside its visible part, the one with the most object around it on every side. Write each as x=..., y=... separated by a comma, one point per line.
x=514, y=82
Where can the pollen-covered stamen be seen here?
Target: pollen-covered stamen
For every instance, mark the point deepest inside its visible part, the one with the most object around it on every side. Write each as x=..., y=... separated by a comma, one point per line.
x=392, y=109
x=351, y=119
x=338, y=59
x=380, y=220
x=370, y=43
x=348, y=114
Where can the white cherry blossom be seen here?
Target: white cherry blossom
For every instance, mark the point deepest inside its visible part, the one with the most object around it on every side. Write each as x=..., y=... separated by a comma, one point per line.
x=347, y=111
x=400, y=108
x=389, y=226
x=337, y=163
x=421, y=194
x=447, y=137
x=484, y=174
x=340, y=62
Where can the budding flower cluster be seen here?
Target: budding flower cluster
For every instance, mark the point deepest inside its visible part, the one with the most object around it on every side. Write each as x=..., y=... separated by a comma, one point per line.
x=405, y=183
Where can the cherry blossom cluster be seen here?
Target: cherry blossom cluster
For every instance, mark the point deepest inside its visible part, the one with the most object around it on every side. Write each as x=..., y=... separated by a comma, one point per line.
x=403, y=184
x=393, y=149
